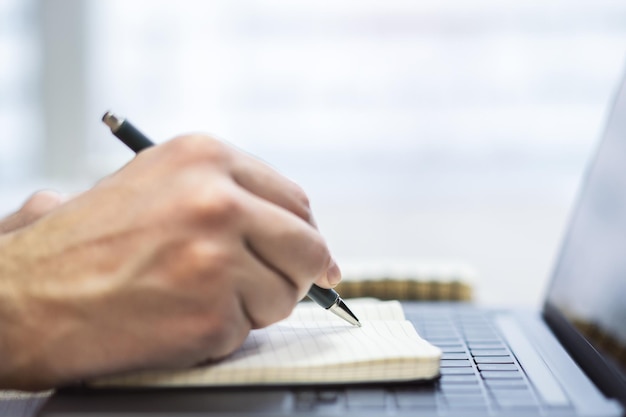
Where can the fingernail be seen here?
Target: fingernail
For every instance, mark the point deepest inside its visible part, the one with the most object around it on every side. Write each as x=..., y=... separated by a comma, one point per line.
x=334, y=273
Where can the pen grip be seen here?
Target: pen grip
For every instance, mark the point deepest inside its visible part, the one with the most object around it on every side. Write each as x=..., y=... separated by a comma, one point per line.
x=132, y=137
x=322, y=296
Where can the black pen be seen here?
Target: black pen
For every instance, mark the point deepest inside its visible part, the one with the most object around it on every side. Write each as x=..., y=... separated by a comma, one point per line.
x=137, y=141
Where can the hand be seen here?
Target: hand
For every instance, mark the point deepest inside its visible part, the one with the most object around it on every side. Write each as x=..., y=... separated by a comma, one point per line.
x=166, y=263
x=35, y=207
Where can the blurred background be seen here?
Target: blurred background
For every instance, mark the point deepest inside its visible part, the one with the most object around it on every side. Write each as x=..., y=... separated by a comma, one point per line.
x=447, y=133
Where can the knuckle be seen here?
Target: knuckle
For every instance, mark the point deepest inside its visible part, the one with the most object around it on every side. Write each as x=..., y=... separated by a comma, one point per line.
x=201, y=147
x=206, y=265
x=280, y=308
x=41, y=202
x=219, y=203
x=287, y=304
x=300, y=196
x=197, y=256
x=221, y=335
x=302, y=200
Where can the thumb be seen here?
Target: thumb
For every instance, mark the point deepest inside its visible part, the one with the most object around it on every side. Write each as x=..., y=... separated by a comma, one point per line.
x=332, y=276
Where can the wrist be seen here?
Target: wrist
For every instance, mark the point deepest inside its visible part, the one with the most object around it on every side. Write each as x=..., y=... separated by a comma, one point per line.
x=16, y=333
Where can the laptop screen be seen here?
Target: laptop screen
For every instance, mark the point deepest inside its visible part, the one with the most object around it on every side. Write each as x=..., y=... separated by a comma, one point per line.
x=589, y=282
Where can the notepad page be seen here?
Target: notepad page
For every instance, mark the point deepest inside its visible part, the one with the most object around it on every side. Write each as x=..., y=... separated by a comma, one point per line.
x=366, y=309
x=307, y=352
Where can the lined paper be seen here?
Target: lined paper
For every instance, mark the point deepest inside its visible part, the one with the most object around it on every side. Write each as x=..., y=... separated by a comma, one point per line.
x=366, y=309
x=311, y=352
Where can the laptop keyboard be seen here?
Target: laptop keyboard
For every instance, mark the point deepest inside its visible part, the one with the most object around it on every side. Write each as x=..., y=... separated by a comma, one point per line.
x=479, y=376
x=478, y=371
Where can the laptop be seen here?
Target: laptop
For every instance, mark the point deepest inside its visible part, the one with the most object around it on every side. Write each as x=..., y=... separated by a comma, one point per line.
x=569, y=359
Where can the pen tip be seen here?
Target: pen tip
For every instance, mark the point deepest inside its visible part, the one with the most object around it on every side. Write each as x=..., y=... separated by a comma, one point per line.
x=347, y=315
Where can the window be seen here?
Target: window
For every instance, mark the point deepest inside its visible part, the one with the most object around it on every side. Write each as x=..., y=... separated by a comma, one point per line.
x=378, y=93
x=428, y=129
x=19, y=115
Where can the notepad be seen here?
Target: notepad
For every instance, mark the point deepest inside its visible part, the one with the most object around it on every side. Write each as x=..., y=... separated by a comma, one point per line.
x=311, y=347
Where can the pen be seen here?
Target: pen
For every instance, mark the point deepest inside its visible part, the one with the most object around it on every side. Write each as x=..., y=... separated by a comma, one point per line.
x=137, y=141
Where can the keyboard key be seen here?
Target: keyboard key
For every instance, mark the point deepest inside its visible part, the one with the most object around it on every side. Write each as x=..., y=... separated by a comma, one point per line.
x=493, y=359
x=492, y=345
x=506, y=383
x=327, y=396
x=459, y=395
x=453, y=349
x=467, y=388
x=459, y=379
x=467, y=403
x=482, y=339
x=489, y=352
x=510, y=392
x=521, y=401
x=455, y=363
x=497, y=367
x=501, y=375
x=449, y=356
x=366, y=398
x=457, y=371
x=476, y=326
x=465, y=400
x=468, y=317
x=305, y=400
x=465, y=408
x=415, y=399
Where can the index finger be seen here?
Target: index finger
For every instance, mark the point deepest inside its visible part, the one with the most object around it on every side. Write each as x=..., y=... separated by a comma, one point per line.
x=266, y=183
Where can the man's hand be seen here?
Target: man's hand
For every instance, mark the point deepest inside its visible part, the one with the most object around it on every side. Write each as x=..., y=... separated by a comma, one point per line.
x=166, y=263
x=36, y=206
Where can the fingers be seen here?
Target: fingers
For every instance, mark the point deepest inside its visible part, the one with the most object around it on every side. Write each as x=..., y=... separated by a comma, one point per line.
x=285, y=243
x=38, y=205
x=263, y=181
x=266, y=183
x=252, y=176
x=266, y=294
x=332, y=277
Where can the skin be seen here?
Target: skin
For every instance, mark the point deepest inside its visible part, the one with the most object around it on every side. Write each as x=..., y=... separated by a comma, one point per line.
x=166, y=263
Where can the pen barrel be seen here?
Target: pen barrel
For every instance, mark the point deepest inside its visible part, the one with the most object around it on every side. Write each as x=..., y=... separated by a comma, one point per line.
x=322, y=296
x=132, y=137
